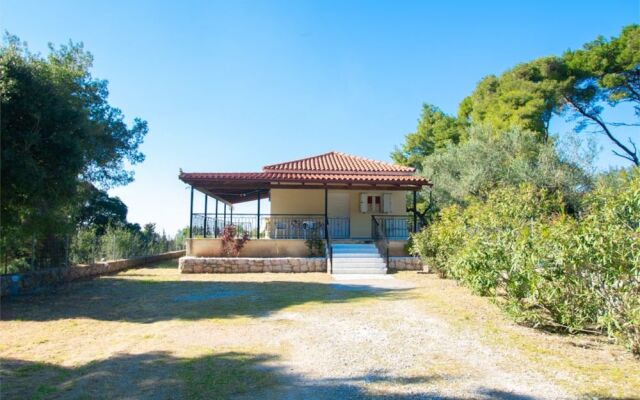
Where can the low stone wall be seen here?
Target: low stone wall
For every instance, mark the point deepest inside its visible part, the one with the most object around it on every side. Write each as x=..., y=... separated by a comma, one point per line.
x=228, y=265
x=405, y=264
x=39, y=280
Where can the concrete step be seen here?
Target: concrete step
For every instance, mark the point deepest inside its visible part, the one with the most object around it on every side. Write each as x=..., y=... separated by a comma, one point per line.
x=361, y=254
x=370, y=264
x=351, y=247
x=357, y=260
x=376, y=271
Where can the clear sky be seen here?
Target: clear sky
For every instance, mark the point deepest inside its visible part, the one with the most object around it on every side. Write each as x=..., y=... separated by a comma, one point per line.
x=232, y=86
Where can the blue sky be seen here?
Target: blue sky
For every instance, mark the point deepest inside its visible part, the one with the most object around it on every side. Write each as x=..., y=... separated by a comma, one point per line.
x=232, y=86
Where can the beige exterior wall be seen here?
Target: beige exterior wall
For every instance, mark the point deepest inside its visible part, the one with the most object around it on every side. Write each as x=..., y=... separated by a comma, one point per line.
x=311, y=201
x=210, y=247
x=297, y=201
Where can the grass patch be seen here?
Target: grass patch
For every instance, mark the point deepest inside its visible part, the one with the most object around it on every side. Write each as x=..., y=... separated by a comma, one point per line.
x=218, y=376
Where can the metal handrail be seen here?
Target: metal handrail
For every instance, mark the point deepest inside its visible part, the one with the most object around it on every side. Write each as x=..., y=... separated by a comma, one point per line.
x=329, y=252
x=380, y=238
x=396, y=226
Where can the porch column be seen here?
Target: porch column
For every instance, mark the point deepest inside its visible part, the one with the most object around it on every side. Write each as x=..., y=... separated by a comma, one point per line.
x=258, y=222
x=231, y=215
x=326, y=215
x=206, y=199
x=215, y=225
x=224, y=216
x=191, y=216
x=415, y=212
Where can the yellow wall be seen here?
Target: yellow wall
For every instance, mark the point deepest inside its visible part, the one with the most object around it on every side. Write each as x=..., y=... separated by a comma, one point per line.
x=297, y=201
x=211, y=247
x=311, y=201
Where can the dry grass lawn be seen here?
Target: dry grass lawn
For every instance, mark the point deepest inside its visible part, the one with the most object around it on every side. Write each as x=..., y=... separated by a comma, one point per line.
x=153, y=333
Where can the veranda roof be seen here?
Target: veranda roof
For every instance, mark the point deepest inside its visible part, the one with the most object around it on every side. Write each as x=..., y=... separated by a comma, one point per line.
x=332, y=170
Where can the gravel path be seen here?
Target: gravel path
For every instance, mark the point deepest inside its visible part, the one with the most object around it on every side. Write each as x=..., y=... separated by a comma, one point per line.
x=391, y=348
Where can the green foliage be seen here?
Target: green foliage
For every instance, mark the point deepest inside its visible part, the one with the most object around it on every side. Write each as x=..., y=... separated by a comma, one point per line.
x=97, y=209
x=180, y=237
x=58, y=130
x=552, y=269
x=487, y=160
x=603, y=72
x=522, y=97
x=85, y=246
x=118, y=242
x=614, y=63
x=435, y=130
x=315, y=244
x=577, y=85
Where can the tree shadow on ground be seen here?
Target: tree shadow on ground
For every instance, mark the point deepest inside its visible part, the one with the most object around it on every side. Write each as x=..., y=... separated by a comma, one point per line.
x=121, y=298
x=160, y=375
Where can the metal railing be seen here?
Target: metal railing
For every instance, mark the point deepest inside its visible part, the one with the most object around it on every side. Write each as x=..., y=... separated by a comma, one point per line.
x=329, y=252
x=272, y=226
x=380, y=238
x=395, y=227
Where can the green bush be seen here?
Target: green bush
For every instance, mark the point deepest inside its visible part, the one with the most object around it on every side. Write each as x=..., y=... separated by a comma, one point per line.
x=568, y=272
x=85, y=246
x=118, y=242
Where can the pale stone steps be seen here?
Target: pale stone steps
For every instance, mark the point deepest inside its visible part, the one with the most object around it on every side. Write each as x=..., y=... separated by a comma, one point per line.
x=357, y=258
x=360, y=270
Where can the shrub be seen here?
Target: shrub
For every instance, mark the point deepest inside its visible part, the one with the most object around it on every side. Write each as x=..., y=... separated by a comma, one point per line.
x=315, y=244
x=573, y=273
x=85, y=246
x=231, y=245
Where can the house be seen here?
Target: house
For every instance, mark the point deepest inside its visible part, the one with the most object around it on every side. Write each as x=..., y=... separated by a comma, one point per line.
x=353, y=204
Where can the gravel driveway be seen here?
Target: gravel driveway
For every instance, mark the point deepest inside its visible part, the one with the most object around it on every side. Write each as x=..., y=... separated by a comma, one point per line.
x=393, y=348
x=153, y=333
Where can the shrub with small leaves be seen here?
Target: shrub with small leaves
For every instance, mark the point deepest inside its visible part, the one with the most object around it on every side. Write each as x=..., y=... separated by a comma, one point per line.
x=231, y=244
x=572, y=273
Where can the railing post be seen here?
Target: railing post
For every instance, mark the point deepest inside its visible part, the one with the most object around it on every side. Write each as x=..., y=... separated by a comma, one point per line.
x=191, y=216
x=258, y=222
x=215, y=222
x=206, y=200
x=326, y=215
x=415, y=212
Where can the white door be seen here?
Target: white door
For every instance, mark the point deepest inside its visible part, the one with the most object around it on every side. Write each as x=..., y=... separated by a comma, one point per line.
x=338, y=211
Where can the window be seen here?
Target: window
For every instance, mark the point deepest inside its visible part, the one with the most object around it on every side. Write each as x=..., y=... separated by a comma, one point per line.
x=372, y=204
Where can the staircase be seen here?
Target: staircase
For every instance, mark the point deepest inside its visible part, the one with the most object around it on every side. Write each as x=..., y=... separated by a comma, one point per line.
x=357, y=258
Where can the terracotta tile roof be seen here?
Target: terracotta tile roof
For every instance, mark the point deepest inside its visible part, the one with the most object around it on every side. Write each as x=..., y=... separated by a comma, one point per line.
x=328, y=168
x=337, y=162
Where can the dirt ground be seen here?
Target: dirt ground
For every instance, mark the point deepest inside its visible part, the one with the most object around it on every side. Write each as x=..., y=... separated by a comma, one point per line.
x=153, y=333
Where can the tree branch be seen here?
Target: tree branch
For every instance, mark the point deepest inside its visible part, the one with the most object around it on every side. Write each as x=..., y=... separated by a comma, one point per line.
x=631, y=155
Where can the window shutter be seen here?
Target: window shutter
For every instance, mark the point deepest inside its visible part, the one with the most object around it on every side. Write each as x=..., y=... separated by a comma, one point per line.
x=386, y=203
x=363, y=202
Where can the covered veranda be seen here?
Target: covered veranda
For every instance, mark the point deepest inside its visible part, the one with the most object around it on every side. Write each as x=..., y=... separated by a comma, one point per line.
x=222, y=191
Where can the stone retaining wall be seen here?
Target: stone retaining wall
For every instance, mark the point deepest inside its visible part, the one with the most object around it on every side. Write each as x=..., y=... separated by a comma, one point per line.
x=229, y=265
x=38, y=280
x=405, y=264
